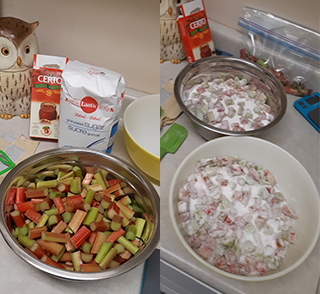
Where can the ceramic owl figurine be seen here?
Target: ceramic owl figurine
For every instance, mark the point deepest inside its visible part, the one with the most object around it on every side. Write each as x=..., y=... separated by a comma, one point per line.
x=18, y=44
x=171, y=47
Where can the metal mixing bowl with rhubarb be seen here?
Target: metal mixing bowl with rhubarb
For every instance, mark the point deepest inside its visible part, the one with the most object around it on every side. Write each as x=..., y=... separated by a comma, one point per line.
x=80, y=212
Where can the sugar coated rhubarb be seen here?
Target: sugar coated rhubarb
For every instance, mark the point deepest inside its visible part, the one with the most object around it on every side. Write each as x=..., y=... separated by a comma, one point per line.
x=77, y=221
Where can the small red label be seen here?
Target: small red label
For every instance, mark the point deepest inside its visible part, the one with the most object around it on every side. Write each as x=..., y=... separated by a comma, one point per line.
x=88, y=104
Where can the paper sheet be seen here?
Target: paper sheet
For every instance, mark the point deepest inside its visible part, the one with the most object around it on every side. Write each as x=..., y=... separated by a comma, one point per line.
x=17, y=148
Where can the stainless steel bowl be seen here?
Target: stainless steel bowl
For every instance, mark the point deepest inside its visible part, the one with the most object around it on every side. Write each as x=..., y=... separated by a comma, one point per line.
x=82, y=158
x=230, y=66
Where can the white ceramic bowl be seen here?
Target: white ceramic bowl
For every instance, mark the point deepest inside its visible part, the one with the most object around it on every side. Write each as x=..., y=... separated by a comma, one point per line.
x=292, y=179
x=141, y=121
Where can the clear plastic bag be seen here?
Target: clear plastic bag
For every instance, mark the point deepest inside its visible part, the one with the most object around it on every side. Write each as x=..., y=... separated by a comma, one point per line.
x=288, y=50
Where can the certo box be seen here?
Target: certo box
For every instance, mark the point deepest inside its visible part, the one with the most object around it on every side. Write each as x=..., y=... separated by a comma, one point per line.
x=195, y=32
x=45, y=96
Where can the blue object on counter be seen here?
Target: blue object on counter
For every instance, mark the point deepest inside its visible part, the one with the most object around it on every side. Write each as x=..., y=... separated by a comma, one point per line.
x=309, y=107
x=222, y=53
x=151, y=274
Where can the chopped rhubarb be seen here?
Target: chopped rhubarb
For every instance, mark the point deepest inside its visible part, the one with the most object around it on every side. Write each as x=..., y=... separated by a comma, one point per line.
x=60, y=227
x=98, y=241
x=125, y=210
x=112, y=189
x=107, y=259
x=51, y=247
x=33, y=215
x=77, y=220
x=11, y=196
x=115, y=235
x=51, y=262
x=17, y=218
x=80, y=236
x=59, y=205
x=42, y=192
x=36, y=232
x=38, y=250
x=114, y=182
x=87, y=179
x=116, y=223
x=98, y=226
x=54, y=237
x=113, y=210
x=20, y=194
x=24, y=206
x=89, y=267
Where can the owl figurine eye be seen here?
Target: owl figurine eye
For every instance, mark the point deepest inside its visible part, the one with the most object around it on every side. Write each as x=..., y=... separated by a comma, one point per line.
x=27, y=49
x=5, y=51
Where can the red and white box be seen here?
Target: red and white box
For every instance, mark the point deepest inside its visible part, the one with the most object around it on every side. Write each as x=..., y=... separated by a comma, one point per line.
x=45, y=96
x=195, y=32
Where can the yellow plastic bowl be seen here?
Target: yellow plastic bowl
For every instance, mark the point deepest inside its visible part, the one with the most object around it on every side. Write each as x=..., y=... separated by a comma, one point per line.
x=141, y=121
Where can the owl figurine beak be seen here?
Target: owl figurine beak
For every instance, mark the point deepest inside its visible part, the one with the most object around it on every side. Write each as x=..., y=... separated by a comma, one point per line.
x=19, y=60
x=170, y=9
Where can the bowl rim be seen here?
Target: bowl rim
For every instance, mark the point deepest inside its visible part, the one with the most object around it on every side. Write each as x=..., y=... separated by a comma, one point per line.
x=126, y=128
x=210, y=266
x=64, y=274
x=208, y=127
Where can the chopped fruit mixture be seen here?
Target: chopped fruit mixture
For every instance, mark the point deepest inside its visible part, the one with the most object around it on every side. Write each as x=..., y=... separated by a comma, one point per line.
x=235, y=216
x=77, y=219
x=229, y=103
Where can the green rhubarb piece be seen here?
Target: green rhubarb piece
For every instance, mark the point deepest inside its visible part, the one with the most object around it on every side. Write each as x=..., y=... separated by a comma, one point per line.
x=86, y=257
x=119, y=247
x=47, y=184
x=91, y=216
x=100, y=180
x=262, y=63
x=104, y=249
x=77, y=172
x=67, y=216
x=147, y=232
x=106, y=260
x=44, y=218
x=25, y=241
x=57, y=258
x=31, y=225
x=249, y=228
x=128, y=245
x=52, y=220
x=23, y=231
x=86, y=247
x=136, y=208
x=15, y=232
x=52, y=211
x=131, y=233
x=68, y=230
x=89, y=196
x=74, y=187
x=94, y=182
x=65, y=167
x=67, y=176
x=61, y=174
x=107, y=233
x=140, y=223
x=76, y=260
x=54, y=194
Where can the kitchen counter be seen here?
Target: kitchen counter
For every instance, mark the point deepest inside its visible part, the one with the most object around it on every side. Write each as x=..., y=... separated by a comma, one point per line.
x=16, y=276
x=294, y=134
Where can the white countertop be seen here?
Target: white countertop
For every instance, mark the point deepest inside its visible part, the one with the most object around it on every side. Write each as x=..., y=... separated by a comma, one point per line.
x=16, y=276
x=294, y=134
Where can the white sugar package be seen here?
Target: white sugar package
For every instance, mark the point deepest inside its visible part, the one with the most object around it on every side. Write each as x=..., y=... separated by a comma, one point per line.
x=90, y=104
